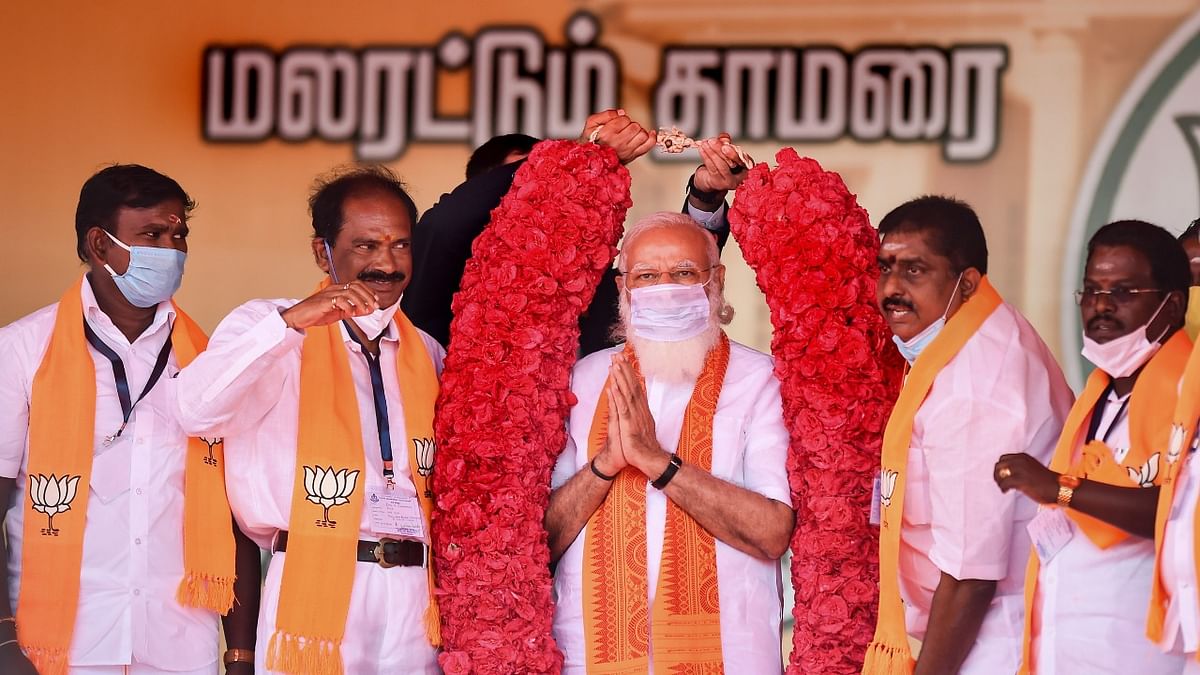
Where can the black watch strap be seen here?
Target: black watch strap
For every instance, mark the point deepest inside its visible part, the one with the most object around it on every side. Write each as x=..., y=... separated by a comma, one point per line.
x=668, y=473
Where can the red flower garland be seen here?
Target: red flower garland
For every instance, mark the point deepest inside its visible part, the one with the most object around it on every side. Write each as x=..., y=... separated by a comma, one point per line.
x=501, y=416
x=814, y=251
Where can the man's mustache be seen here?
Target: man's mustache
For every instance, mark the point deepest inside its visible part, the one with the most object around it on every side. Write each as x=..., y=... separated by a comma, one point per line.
x=897, y=303
x=1094, y=323
x=381, y=277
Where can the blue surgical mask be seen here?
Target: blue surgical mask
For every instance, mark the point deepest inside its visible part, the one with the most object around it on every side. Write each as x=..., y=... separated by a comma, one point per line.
x=910, y=349
x=153, y=275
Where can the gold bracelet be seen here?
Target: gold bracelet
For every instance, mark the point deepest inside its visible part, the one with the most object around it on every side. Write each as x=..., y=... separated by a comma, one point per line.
x=238, y=656
x=6, y=619
x=1066, y=489
x=8, y=642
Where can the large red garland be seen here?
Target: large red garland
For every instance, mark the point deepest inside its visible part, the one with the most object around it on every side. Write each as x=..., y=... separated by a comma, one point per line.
x=505, y=396
x=814, y=251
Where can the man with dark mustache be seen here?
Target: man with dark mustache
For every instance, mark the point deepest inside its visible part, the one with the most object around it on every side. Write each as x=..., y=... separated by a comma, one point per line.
x=1091, y=571
x=326, y=406
x=980, y=383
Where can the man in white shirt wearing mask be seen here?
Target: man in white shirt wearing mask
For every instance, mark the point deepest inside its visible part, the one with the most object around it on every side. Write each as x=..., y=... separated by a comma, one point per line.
x=1091, y=572
x=980, y=383
x=329, y=444
x=670, y=505
x=121, y=552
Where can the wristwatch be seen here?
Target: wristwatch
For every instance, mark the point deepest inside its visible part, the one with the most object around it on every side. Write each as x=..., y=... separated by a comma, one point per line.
x=238, y=656
x=1066, y=489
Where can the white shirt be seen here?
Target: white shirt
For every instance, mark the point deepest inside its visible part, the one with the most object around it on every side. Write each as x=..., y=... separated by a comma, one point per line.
x=133, y=542
x=1092, y=602
x=749, y=450
x=1181, y=630
x=1002, y=393
x=246, y=388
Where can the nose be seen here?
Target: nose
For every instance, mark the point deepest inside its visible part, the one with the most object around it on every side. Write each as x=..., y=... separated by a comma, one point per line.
x=889, y=287
x=1103, y=304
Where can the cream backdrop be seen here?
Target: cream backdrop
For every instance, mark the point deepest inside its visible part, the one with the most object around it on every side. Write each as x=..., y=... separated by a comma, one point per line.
x=85, y=84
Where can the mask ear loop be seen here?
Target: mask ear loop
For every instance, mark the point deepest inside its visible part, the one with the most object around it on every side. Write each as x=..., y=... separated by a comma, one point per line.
x=108, y=268
x=953, y=293
x=1155, y=316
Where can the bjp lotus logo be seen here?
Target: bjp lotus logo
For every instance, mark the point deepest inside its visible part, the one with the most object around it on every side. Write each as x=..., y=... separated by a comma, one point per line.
x=328, y=488
x=212, y=443
x=52, y=496
x=1145, y=475
x=1175, y=446
x=887, y=486
x=425, y=449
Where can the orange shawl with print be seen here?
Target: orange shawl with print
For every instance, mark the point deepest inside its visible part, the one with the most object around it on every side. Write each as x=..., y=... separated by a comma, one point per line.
x=685, y=620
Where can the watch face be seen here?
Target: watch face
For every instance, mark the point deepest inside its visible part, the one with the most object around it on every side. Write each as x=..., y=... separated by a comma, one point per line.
x=1068, y=481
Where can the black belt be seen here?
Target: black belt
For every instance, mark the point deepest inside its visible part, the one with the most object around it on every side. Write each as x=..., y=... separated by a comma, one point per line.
x=385, y=552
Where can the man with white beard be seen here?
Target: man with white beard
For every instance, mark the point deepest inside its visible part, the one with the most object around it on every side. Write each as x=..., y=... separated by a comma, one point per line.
x=670, y=504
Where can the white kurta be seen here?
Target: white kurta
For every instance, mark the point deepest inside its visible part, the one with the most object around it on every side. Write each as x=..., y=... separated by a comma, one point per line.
x=749, y=449
x=1002, y=393
x=133, y=542
x=1092, y=602
x=246, y=388
x=1181, y=630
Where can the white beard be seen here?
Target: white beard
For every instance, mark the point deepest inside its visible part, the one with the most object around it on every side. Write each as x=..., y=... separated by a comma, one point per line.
x=673, y=362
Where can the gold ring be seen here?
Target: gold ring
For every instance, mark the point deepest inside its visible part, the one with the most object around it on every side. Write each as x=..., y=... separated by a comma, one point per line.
x=346, y=287
x=333, y=301
x=1004, y=472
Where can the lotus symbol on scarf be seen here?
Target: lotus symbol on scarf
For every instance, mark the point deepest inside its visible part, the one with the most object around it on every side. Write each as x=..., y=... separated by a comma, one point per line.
x=328, y=488
x=1145, y=475
x=212, y=443
x=425, y=448
x=887, y=485
x=51, y=496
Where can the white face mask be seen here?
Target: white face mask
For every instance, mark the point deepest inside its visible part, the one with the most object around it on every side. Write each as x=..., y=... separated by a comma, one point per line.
x=374, y=324
x=1121, y=357
x=911, y=348
x=669, y=312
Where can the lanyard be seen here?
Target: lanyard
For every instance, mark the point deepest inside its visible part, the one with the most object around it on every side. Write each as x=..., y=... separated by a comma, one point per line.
x=382, y=425
x=1098, y=414
x=122, y=380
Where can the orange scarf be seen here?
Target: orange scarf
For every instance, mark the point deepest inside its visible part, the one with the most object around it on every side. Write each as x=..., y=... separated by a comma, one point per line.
x=889, y=653
x=314, y=597
x=1150, y=407
x=686, y=618
x=62, y=428
x=1183, y=434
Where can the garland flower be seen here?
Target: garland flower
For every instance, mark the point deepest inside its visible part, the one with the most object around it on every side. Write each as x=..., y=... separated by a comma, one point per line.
x=505, y=396
x=813, y=252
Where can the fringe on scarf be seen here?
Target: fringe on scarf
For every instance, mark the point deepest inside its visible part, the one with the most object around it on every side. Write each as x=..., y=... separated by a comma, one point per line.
x=287, y=654
x=885, y=659
x=47, y=661
x=205, y=591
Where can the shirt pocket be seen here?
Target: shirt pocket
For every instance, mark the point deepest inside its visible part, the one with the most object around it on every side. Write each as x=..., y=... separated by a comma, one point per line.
x=110, y=471
x=729, y=447
x=918, y=503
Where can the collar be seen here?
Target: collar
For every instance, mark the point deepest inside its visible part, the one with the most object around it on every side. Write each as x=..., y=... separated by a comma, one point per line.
x=389, y=335
x=164, y=317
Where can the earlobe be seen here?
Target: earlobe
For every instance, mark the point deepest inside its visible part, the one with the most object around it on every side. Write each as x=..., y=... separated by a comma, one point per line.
x=319, y=255
x=970, y=283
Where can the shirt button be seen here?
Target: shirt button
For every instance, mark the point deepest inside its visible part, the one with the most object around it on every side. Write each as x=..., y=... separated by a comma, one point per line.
x=139, y=491
x=138, y=541
x=137, y=591
x=141, y=441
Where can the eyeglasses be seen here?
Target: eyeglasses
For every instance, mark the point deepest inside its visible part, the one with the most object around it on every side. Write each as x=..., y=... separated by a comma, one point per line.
x=688, y=276
x=1120, y=296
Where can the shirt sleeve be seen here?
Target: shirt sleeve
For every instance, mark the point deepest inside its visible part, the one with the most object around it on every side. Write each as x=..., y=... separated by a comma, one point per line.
x=14, y=400
x=234, y=383
x=971, y=519
x=565, y=467
x=765, y=461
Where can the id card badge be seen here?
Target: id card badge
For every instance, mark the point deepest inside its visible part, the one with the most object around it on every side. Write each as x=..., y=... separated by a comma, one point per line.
x=876, y=496
x=1050, y=532
x=395, y=514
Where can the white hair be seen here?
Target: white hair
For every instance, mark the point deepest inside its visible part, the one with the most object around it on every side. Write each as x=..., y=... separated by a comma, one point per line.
x=664, y=219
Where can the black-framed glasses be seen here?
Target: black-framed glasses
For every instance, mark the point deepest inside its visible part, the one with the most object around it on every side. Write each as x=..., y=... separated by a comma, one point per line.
x=1118, y=295
x=687, y=276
